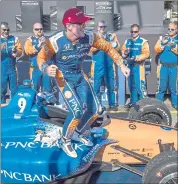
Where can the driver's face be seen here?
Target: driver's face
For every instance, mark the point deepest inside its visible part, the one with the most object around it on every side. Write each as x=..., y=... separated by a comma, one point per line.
x=77, y=29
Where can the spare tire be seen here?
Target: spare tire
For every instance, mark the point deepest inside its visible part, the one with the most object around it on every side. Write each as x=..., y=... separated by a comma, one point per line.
x=151, y=110
x=162, y=169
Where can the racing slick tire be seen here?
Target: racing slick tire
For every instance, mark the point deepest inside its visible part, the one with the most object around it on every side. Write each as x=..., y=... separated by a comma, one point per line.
x=162, y=169
x=151, y=110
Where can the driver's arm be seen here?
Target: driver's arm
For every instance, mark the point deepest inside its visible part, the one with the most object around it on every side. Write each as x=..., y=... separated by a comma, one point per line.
x=101, y=44
x=45, y=53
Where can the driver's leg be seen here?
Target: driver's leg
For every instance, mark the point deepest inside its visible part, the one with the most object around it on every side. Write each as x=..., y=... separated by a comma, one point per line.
x=74, y=115
x=91, y=105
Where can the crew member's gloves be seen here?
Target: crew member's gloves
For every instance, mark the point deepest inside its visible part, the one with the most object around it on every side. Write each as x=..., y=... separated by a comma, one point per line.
x=131, y=60
x=164, y=40
x=40, y=44
x=126, y=53
x=41, y=41
x=171, y=44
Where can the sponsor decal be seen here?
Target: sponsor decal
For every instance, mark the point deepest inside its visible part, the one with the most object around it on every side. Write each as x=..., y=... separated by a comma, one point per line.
x=113, y=153
x=33, y=145
x=68, y=94
x=163, y=113
x=78, y=13
x=75, y=107
x=132, y=126
x=24, y=94
x=20, y=94
x=17, y=116
x=88, y=158
x=147, y=149
x=27, y=177
x=67, y=47
x=150, y=155
x=64, y=57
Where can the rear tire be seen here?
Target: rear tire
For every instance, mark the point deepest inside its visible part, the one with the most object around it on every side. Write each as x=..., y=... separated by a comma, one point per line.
x=162, y=169
x=151, y=110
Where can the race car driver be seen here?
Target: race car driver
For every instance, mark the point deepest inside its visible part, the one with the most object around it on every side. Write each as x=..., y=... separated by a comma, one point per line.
x=10, y=49
x=167, y=71
x=104, y=68
x=136, y=50
x=33, y=44
x=70, y=47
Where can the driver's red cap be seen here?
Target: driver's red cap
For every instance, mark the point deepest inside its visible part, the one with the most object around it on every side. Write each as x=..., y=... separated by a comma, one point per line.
x=74, y=15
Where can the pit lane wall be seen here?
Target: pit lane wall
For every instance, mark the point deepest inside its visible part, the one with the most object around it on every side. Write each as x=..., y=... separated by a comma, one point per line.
x=145, y=13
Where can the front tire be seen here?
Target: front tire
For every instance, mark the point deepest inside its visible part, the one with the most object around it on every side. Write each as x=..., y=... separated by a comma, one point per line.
x=162, y=169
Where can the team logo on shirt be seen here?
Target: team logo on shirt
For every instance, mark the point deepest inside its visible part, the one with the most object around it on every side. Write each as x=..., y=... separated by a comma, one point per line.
x=68, y=94
x=67, y=47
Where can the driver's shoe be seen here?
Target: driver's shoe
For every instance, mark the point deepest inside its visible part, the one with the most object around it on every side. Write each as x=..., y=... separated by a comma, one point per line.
x=81, y=138
x=67, y=147
x=113, y=108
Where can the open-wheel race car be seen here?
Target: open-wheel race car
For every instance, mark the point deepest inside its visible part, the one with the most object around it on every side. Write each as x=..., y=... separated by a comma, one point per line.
x=32, y=129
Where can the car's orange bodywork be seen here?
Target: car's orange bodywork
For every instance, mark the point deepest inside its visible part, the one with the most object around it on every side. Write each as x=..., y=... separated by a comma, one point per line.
x=136, y=136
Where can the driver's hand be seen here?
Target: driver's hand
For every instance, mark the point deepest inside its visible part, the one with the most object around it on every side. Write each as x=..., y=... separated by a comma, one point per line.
x=51, y=70
x=125, y=70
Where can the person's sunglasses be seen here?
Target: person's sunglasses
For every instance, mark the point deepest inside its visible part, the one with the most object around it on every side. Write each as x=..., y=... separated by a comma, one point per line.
x=134, y=31
x=6, y=30
x=171, y=29
x=38, y=29
x=102, y=26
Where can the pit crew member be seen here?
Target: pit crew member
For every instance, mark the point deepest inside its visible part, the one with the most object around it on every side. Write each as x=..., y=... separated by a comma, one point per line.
x=167, y=70
x=33, y=44
x=10, y=49
x=104, y=68
x=136, y=50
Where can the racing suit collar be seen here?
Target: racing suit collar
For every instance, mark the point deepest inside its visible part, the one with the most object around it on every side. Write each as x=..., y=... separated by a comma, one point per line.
x=174, y=36
x=134, y=39
x=103, y=35
x=4, y=37
x=74, y=43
